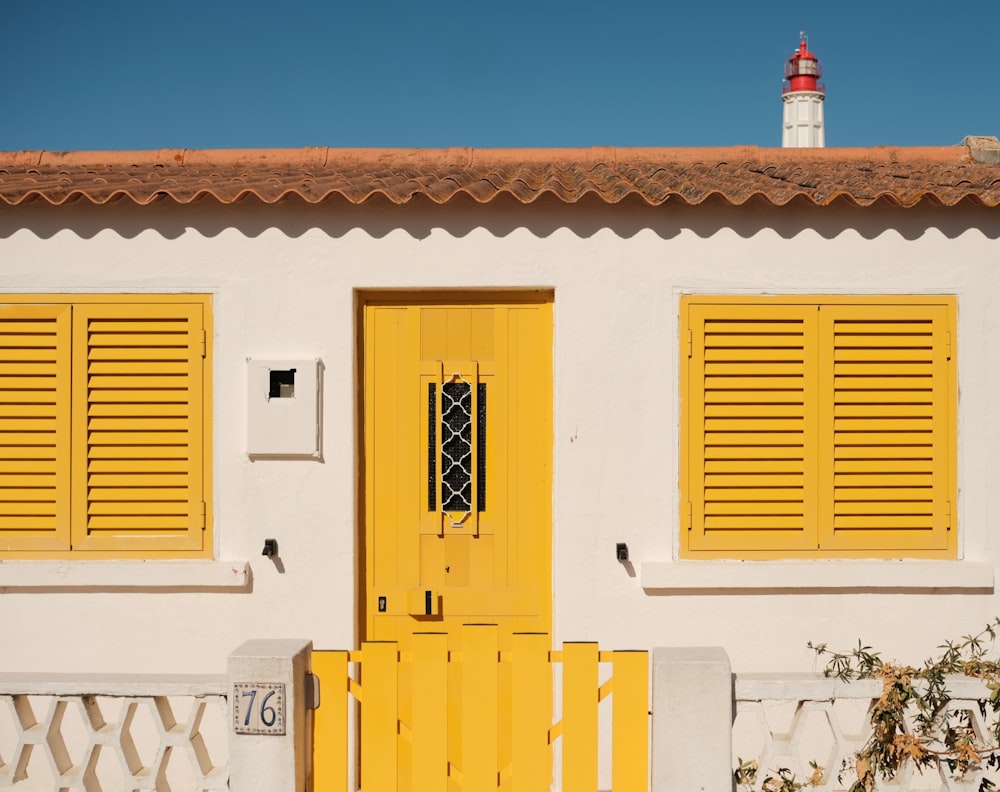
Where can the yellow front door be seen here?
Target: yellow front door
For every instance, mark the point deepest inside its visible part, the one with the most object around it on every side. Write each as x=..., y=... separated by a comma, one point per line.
x=457, y=465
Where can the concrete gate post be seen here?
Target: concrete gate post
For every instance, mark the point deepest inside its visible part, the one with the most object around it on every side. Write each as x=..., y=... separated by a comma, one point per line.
x=270, y=690
x=692, y=720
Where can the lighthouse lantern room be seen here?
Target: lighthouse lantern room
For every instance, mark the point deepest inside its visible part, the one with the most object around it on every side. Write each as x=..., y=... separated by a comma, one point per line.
x=803, y=95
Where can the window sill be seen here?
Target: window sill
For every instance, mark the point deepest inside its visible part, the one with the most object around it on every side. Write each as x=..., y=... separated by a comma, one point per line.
x=132, y=575
x=821, y=575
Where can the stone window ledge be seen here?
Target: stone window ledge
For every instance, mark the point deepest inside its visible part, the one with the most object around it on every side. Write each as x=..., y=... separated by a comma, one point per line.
x=135, y=575
x=821, y=576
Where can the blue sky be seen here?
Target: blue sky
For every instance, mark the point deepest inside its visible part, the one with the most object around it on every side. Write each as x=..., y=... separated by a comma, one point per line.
x=133, y=74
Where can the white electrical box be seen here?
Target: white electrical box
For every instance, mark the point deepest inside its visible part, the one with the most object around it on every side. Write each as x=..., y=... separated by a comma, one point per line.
x=283, y=408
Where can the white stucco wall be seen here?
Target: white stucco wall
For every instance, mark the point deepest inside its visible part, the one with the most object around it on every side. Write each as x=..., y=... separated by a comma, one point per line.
x=284, y=280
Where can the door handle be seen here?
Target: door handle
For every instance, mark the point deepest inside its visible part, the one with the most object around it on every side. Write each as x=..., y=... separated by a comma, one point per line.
x=423, y=602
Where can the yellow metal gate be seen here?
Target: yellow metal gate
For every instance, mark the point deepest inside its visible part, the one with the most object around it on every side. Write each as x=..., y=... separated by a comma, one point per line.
x=420, y=744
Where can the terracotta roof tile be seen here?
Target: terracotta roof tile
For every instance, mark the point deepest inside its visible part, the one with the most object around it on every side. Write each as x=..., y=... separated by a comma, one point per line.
x=901, y=176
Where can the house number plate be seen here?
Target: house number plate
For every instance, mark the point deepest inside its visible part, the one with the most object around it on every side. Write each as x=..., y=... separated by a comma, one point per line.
x=259, y=708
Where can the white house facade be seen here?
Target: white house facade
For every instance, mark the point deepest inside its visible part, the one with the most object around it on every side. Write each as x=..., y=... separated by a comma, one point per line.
x=611, y=287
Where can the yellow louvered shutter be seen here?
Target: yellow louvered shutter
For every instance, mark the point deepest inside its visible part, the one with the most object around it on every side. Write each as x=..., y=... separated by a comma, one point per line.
x=34, y=427
x=138, y=391
x=887, y=420
x=818, y=428
x=751, y=432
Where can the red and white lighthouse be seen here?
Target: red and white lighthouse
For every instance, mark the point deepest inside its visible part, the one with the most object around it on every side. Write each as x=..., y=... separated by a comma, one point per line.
x=803, y=95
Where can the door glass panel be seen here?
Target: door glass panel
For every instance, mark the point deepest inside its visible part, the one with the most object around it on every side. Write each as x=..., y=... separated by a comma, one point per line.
x=431, y=447
x=481, y=447
x=457, y=458
x=456, y=446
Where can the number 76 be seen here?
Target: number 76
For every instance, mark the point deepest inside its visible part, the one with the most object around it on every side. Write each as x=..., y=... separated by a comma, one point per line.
x=268, y=714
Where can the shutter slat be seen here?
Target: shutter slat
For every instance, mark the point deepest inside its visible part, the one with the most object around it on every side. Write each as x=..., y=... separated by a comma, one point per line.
x=13, y=335
x=138, y=493
x=879, y=399
x=914, y=491
x=761, y=466
x=159, y=336
x=112, y=424
x=141, y=381
x=788, y=382
x=778, y=336
x=157, y=481
x=128, y=453
x=34, y=423
x=27, y=532
x=882, y=328
x=720, y=508
x=915, y=409
x=135, y=397
x=149, y=409
x=866, y=439
x=48, y=465
x=139, y=529
x=138, y=368
x=36, y=481
x=27, y=495
x=762, y=423
x=15, y=453
x=892, y=356
x=718, y=492
x=16, y=397
x=789, y=410
x=146, y=439
x=893, y=465
x=103, y=355
x=754, y=368
x=29, y=445
x=763, y=453
x=37, y=409
x=139, y=509
x=857, y=372
x=137, y=466
x=752, y=400
x=143, y=326
x=717, y=326
x=740, y=482
x=771, y=438
x=27, y=508
x=886, y=387
x=34, y=357
x=766, y=356
x=884, y=424
x=885, y=522
x=16, y=381
x=763, y=522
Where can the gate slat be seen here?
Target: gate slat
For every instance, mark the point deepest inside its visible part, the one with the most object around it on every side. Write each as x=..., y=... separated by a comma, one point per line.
x=579, y=717
x=531, y=672
x=480, y=668
x=629, y=722
x=330, y=722
x=379, y=716
x=430, y=712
